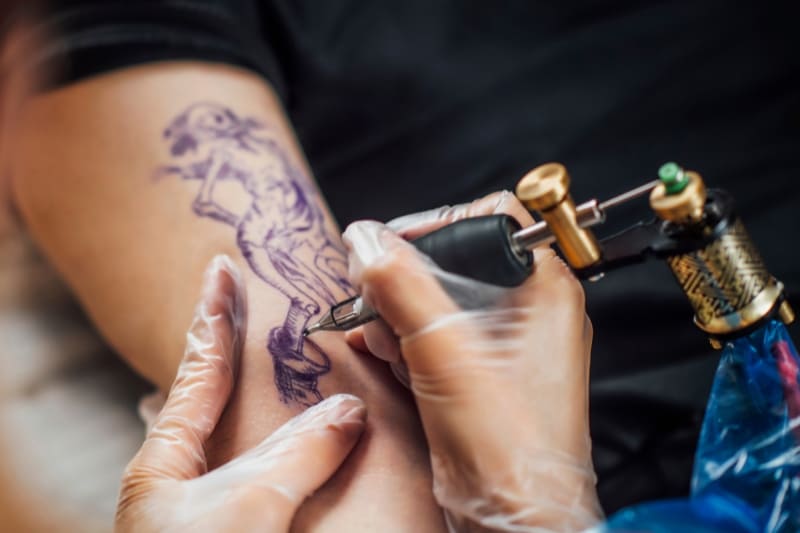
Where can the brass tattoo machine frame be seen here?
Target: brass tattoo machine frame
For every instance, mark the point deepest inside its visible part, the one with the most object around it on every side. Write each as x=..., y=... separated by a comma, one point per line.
x=695, y=230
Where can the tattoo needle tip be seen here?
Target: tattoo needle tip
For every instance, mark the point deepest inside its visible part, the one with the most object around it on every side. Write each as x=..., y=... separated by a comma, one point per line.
x=326, y=324
x=311, y=329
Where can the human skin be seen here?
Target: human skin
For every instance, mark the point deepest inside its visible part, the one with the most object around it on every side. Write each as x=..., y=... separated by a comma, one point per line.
x=92, y=181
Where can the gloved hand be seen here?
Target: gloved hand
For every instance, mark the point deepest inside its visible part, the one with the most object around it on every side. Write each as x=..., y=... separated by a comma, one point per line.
x=500, y=377
x=376, y=337
x=166, y=486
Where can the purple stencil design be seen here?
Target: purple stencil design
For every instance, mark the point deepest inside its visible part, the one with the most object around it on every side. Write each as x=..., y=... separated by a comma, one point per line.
x=281, y=233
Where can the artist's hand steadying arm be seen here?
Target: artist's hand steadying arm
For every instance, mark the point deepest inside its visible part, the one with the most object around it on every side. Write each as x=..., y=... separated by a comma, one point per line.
x=500, y=378
x=166, y=486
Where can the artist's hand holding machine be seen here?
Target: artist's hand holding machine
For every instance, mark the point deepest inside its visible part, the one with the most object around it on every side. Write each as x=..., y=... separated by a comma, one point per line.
x=498, y=361
x=500, y=376
x=481, y=357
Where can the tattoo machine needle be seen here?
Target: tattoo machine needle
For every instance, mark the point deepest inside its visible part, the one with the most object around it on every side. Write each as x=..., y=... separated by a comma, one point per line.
x=493, y=249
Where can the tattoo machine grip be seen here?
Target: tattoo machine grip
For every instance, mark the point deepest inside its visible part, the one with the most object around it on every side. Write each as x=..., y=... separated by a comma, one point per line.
x=480, y=248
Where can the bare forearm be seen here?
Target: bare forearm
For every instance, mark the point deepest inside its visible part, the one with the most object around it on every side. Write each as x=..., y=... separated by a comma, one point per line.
x=133, y=181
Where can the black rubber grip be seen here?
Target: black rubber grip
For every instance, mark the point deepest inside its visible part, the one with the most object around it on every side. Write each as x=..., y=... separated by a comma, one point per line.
x=479, y=248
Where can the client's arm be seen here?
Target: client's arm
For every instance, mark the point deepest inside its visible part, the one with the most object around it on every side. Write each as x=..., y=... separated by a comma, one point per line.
x=131, y=181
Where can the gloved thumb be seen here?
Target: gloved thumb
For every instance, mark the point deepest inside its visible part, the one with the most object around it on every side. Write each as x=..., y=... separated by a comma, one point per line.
x=174, y=445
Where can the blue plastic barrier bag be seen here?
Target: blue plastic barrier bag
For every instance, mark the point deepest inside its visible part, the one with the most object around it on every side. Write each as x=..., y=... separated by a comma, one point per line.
x=747, y=467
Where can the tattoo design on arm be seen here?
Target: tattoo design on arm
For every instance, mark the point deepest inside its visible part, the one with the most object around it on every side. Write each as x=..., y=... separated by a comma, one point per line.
x=280, y=232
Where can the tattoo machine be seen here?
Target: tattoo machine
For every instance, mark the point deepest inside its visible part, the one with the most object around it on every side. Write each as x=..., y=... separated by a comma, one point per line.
x=695, y=230
x=745, y=470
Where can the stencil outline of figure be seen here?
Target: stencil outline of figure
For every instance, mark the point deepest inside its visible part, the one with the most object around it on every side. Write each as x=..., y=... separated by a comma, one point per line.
x=282, y=221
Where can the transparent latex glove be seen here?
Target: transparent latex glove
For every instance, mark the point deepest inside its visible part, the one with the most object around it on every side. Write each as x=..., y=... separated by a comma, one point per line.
x=500, y=377
x=166, y=486
x=376, y=337
x=501, y=202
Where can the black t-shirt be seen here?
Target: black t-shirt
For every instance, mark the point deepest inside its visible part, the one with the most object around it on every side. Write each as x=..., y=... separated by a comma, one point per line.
x=404, y=106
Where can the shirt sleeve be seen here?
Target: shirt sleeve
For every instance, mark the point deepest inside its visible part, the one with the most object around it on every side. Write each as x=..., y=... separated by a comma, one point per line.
x=89, y=37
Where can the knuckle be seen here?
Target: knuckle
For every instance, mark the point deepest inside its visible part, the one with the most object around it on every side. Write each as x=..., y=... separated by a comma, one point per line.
x=128, y=478
x=135, y=479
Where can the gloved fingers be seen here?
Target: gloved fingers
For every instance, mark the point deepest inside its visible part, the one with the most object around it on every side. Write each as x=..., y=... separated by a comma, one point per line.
x=355, y=339
x=394, y=278
x=463, y=342
x=381, y=341
x=552, y=286
x=296, y=459
x=375, y=338
x=416, y=224
x=173, y=448
x=404, y=287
